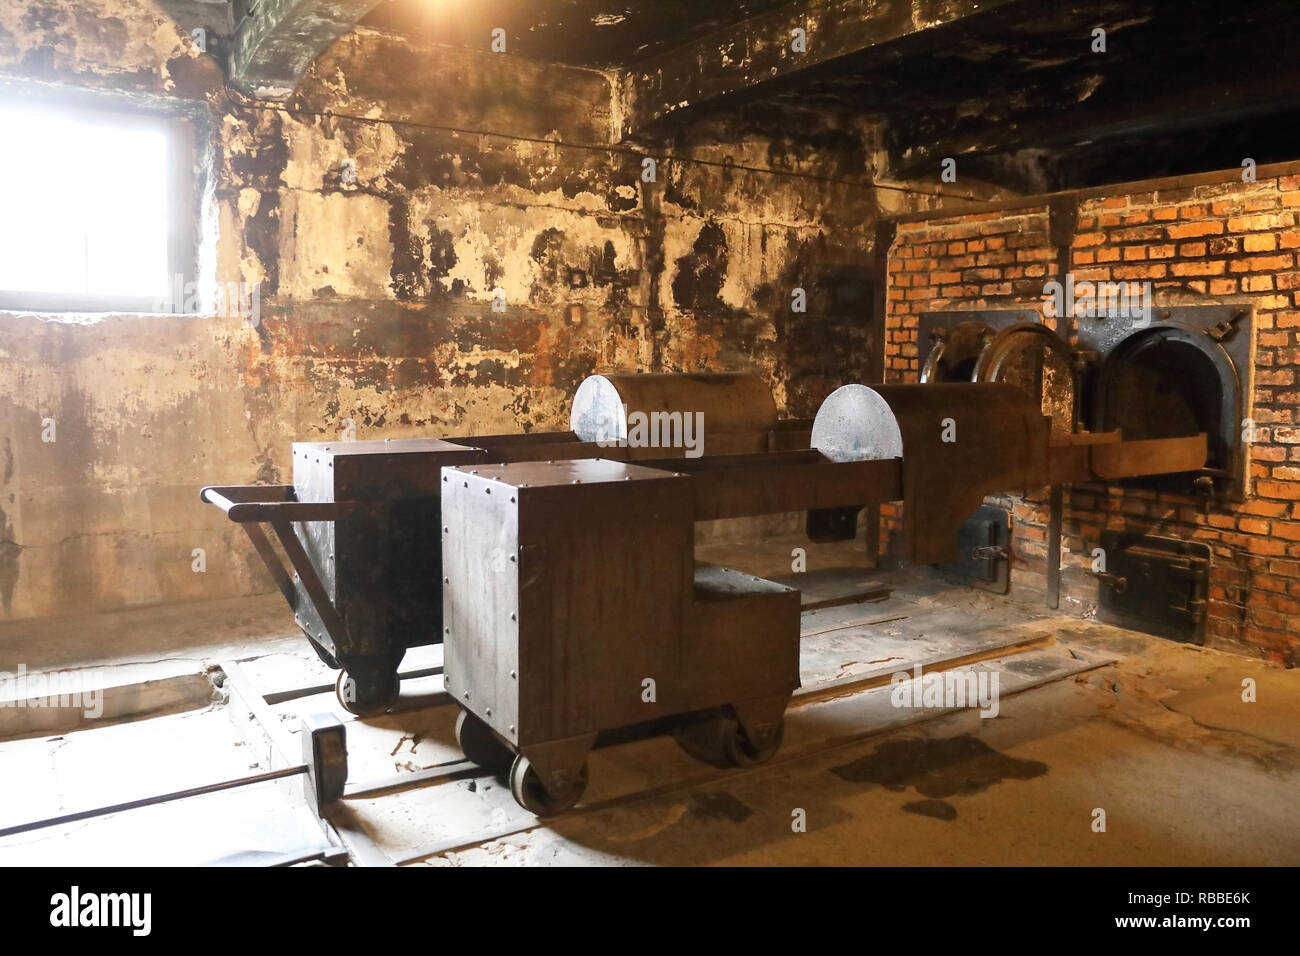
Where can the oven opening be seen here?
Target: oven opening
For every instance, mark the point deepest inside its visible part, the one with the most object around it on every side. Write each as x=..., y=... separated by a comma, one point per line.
x=956, y=352
x=960, y=371
x=1163, y=383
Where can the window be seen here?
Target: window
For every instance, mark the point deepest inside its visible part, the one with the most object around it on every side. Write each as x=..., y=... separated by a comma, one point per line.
x=91, y=218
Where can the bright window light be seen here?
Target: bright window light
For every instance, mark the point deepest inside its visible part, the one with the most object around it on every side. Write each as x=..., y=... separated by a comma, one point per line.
x=83, y=205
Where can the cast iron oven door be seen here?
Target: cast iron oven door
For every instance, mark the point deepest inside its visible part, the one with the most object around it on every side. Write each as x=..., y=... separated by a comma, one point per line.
x=955, y=339
x=983, y=551
x=1002, y=345
x=1156, y=585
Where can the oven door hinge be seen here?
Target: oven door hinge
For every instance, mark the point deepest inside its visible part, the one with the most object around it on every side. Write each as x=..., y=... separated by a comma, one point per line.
x=1225, y=329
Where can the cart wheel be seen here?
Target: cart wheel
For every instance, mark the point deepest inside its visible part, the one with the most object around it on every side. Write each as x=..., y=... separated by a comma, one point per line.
x=737, y=749
x=367, y=696
x=527, y=789
x=719, y=741
x=480, y=744
x=702, y=739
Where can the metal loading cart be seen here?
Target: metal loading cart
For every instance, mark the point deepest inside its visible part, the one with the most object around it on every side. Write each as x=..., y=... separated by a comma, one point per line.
x=572, y=606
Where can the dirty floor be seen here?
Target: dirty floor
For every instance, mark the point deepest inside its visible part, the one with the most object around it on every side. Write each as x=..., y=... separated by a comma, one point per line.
x=1108, y=747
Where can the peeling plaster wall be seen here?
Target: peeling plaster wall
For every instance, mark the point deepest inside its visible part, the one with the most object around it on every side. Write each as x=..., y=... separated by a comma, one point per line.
x=376, y=294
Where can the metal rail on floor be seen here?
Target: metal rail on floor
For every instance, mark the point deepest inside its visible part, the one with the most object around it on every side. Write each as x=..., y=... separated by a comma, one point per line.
x=154, y=800
x=284, y=696
x=805, y=696
x=344, y=823
x=344, y=835
x=640, y=796
x=340, y=826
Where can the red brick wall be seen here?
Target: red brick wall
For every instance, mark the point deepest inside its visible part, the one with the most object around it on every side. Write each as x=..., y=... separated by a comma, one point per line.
x=1233, y=242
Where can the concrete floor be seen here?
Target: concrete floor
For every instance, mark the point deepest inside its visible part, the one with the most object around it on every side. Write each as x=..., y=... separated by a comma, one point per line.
x=1161, y=741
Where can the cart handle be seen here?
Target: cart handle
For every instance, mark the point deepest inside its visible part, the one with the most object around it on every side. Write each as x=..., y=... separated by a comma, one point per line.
x=271, y=503
x=251, y=506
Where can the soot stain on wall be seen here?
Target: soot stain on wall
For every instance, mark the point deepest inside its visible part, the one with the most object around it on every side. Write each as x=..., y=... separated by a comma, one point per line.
x=376, y=295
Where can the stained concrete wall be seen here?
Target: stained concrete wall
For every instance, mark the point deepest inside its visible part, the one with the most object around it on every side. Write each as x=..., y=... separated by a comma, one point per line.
x=376, y=294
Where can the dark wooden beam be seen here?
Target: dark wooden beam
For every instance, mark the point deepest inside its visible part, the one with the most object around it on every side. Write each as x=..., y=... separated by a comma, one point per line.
x=760, y=49
x=1196, y=108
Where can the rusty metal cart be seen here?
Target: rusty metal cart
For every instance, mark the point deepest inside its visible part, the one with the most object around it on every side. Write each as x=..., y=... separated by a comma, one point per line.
x=359, y=527
x=573, y=605
x=359, y=533
x=560, y=572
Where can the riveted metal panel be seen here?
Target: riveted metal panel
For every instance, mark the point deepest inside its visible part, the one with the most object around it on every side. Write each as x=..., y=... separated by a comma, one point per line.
x=376, y=561
x=600, y=578
x=480, y=598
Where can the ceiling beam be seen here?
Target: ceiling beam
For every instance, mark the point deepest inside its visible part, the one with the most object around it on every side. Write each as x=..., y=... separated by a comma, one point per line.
x=276, y=40
x=761, y=49
x=1196, y=108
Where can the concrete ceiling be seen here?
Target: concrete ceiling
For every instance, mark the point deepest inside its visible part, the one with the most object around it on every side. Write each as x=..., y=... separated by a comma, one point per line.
x=1010, y=88
x=1017, y=93
x=596, y=33
x=275, y=40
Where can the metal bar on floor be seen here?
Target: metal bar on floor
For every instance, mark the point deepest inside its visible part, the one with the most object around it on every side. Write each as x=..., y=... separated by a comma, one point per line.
x=339, y=822
x=154, y=800
x=283, y=696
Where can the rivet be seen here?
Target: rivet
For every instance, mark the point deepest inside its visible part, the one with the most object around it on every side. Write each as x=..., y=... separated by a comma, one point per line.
x=513, y=616
x=487, y=711
x=467, y=695
x=446, y=630
x=513, y=674
x=446, y=580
